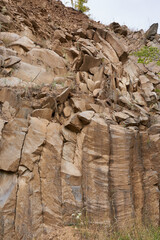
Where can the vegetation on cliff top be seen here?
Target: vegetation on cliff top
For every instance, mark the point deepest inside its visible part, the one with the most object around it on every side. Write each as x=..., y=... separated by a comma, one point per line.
x=80, y=5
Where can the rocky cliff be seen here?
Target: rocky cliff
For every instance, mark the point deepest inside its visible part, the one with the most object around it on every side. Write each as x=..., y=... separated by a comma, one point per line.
x=79, y=122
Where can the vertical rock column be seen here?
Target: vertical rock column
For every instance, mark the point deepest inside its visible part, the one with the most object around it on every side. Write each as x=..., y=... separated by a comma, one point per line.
x=150, y=142
x=12, y=137
x=71, y=175
x=51, y=190
x=95, y=171
x=120, y=175
x=137, y=172
x=29, y=208
x=38, y=208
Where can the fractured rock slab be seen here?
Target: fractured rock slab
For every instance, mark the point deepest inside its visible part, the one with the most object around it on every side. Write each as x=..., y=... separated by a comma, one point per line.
x=11, y=146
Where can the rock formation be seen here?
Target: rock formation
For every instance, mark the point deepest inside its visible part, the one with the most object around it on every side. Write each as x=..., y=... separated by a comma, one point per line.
x=79, y=123
x=152, y=31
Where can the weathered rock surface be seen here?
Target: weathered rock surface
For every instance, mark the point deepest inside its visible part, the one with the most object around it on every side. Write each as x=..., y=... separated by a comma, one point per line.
x=152, y=31
x=79, y=124
x=11, y=144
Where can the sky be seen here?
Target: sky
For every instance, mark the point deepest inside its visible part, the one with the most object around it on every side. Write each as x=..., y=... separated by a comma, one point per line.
x=136, y=14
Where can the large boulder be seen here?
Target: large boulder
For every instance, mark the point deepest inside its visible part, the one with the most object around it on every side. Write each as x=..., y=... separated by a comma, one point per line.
x=89, y=62
x=8, y=37
x=151, y=32
x=48, y=59
x=117, y=28
x=23, y=42
x=30, y=73
x=118, y=46
x=45, y=113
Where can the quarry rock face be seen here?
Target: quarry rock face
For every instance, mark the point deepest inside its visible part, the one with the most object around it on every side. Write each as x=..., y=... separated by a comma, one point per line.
x=79, y=127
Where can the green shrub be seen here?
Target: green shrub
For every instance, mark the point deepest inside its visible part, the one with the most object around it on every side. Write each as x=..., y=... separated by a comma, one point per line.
x=147, y=55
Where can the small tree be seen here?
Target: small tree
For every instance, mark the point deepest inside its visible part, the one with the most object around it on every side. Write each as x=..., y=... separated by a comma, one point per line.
x=80, y=5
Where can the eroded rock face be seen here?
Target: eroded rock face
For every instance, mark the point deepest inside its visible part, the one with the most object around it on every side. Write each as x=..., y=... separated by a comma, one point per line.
x=107, y=170
x=96, y=171
x=79, y=130
x=11, y=144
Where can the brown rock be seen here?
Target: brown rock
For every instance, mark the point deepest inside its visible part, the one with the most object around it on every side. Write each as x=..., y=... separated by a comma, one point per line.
x=74, y=124
x=1, y=61
x=67, y=111
x=9, y=62
x=70, y=169
x=34, y=140
x=154, y=129
x=48, y=102
x=71, y=54
x=8, y=37
x=45, y=113
x=50, y=167
x=95, y=171
x=131, y=122
x=31, y=73
x=48, y=58
x=68, y=152
x=150, y=157
x=7, y=95
x=96, y=92
x=147, y=87
x=83, y=87
x=63, y=96
x=98, y=75
x=68, y=135
x=11, y=146
x=119, y=173
x=118, y=46
x=86, y=161
x=97, y=84
x=151, y=32
x=86, y=116
x=90, y=85
x=5, y=19
x=90, y=33
x=2, y=123
x=60, y=35
x=24, y=42
x=120, y=116
x=119, y=29
x=7, y=111
x=8, y=183
x=97, y=37
x=29, y=188
x=109, y=52
x=139, y=99
x=81, y=32
x=78, y=104
x=89, y=62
